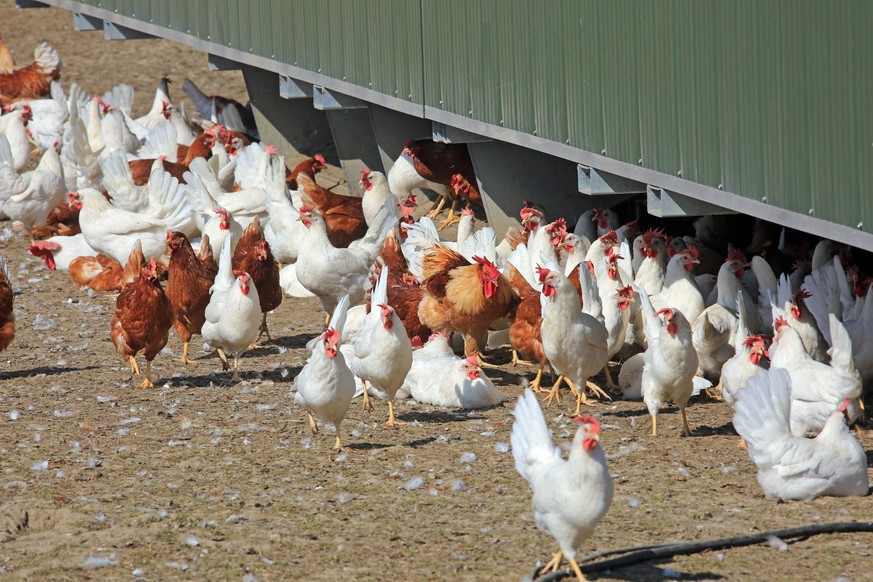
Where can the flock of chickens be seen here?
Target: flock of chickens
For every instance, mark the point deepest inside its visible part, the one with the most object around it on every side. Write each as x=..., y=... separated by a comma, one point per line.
x=124, y=204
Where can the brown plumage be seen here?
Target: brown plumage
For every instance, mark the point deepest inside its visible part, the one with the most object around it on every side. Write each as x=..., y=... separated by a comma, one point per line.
x=526, y=316
x=33, y=81
x=201, y=147
x=142, y=320
x=438, y=162
x=463, y=297
x=309, y=166
x=100, y=273
x=188, y=286
x=63, y=221
x=7, y=315
x=404, y=292
x=7, y=63
x=343, y=215
x=253, y=255
x=207, y=259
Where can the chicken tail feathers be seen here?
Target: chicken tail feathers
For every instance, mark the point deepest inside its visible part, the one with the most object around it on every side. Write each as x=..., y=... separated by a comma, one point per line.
x=380, y=291
x=338, y=318
x=841, y=347
x=531, y=440
x=762, y=412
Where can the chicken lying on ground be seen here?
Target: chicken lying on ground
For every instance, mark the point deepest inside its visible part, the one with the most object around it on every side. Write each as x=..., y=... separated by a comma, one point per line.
x=571, y=496
x=795, y=467
x=233, y=313
x=142, y=321
x=325, y=386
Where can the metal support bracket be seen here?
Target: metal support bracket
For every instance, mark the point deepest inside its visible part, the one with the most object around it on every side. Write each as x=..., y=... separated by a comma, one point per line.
x=664, y=203
x=84, y=22
x=217, y=63
x=328, y=100
x=291, y=88
x=23, y=4
x=594, y=182
x=447, y=134
x=112, y=31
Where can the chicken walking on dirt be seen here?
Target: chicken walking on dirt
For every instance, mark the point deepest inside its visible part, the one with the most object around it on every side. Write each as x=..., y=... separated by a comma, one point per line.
x=570, y=496
x=142, y=321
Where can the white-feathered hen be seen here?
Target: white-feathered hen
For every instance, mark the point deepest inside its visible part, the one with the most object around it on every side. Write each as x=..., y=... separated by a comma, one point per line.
x=383, y=353
x=793, y=467
x=570, y=496
x=325, y=385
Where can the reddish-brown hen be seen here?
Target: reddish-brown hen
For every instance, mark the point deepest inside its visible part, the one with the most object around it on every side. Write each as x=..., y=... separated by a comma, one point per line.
x=404, y=292
x=309, y=166
x=188, y=286
x=527, y=317
x=201, y=147
x=343, y=215
x=253, y=256
x=7, y=316
x=142, y=321
x=33, y=81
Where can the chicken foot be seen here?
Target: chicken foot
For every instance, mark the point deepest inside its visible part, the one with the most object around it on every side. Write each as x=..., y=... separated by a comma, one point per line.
x=597, y=390
x=580, y=397
x=337, y=445
x=553, y=393
x=554, y=563
x=610, y=383
x=313, y=425
x=134, y=367
x=392, y=422
x=184, y=359
x=686, y=431
x=483, y=364
x=366, y=405
x=654, y=425
x=535, y=385
x=579, y=575
x=516, y=361
x=262, y=331
x=147, y=382
x=715, y=391
x=452, y=218
x=236, y=377
x=437, y=206
x=225, y=365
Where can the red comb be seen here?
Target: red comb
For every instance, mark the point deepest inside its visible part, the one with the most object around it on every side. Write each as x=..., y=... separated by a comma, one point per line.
x=588, y=419
x=319, y=158
x=542, y=273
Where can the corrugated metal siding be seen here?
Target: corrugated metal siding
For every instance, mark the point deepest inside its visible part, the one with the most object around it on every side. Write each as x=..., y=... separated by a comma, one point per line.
x=766, y=99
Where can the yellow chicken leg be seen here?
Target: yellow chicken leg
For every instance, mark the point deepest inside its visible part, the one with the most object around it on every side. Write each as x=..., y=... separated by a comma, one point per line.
x=236, y=377
x=366, y=405
x=686, y=431
x=147, y=383
x=313, y=425
x=535, y=385
x=437, y=206
x=184, y=359
x=553, y=393
x=575, y=565
x=225, y=365
x=392, y=422
x=597, y=390
x=516, y=361
x=654, y=425
x=452, y=218
x=337, y=446
x=554, y=563
x=134, y=367
x=580, y=397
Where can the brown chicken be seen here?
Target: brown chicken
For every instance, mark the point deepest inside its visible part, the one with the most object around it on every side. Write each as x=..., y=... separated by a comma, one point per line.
x=201, y=147
x=343, y=215
x=7, y=63
x=34, y=80
x=207, y=259
x=309, y=166
x=102, y=273
x=7, y=315
x=188, y=285
x=142, y=321
x=463, y=297
x=63, y=220
x=253, y=256
x=524, y=333
x=461, y=189
x=404, y=292
x=439, y=162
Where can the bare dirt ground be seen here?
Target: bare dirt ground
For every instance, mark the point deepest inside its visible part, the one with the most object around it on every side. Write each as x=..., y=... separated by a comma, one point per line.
x=200, y=478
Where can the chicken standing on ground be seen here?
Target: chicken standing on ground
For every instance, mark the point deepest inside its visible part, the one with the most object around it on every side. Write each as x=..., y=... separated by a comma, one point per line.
x=188, y=285
x=142, y=321
x=325, y=385
x=383, y=352
x=795, y=467
x=233, y=313
x=569, y=497
x=7, y=315
x=253, y=256
x=670, y=361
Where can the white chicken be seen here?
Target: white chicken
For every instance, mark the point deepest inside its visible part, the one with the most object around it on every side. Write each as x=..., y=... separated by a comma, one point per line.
x=817, y=389
x=283, y=232
x=680, y=291
x=233, y=315
x=59, y=251
x=575, y=342
x=30, y=197
x=441, y=378
x=790, y=466
x=570, y=496
x=325, y=385
x=222, y=226
x=14, y=127
x=670, y=361
x=383, y=354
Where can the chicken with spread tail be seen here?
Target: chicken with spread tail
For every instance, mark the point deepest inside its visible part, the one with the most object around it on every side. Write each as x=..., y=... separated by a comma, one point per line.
x=570, y=496
x=796, y=467
x=325, y=386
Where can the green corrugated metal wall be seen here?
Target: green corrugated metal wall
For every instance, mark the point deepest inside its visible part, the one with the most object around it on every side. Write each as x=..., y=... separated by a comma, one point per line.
x=763, y=98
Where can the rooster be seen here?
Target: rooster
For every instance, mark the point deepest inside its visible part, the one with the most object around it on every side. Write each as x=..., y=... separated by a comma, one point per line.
x=188, y=285
x=142, y=321
x=462, y=296
x=571, y=496
x=33, y=81
x=7, y=316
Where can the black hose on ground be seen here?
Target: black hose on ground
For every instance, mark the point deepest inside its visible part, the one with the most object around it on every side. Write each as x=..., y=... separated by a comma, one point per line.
x=639, y=554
